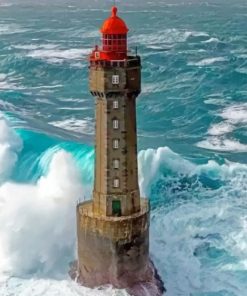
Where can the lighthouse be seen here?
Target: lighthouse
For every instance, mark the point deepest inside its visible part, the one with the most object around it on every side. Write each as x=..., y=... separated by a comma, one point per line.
x=113, y=227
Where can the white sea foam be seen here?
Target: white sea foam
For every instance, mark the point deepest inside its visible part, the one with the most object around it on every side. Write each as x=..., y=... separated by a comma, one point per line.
x=78, y=65
x=84, y=126
x=10, y=144
x=31, y=215
x=9, y=29
x=152, y=162
x=179, y=237
x=192, y=242
x=90, y=34
x=208, y=61
x=242, y=70
x=154, y=87
x=2, y=76
x=75, y=108
x=6, y=83
x=58, y=55
x=74, y=100
x=242, y=56
x=51, y=287
x=215, y=101
x=35, y=46
x=51, y=204
x=168, y=36
x=6, y=4
x=240, y=53
x=220, y=129
x=196, y=34
x=222, y=144
x=235, y=114
x=211, y=40
x=197, y=239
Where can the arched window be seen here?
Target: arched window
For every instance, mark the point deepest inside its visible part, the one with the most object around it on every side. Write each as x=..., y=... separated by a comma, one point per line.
x=116, y=183
x=115, y=104
x=115, y=123
x=116, y=163
x=115, y=143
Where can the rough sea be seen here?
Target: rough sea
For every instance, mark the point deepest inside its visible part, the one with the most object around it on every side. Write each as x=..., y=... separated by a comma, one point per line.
x=192, y=137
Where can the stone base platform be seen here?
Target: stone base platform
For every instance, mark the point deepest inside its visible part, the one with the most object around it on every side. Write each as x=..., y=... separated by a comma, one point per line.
x=150, y=285
x=115, y=251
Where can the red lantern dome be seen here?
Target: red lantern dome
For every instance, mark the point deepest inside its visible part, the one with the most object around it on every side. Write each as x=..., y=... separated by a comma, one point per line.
x=114, y=39
x=114, y=24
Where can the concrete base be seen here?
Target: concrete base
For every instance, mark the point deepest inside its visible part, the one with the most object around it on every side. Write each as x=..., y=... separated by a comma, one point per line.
x=150, y=285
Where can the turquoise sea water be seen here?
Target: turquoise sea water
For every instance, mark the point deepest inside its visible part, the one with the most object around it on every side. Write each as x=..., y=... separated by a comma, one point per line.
x=192, y=139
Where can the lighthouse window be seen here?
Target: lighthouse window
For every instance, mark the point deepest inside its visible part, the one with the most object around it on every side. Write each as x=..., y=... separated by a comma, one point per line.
x=97, y=55
x=115, y=123
x=115, y=104
x=115, y=79
x=116, y=183
x=116, y=163
x=115, y=144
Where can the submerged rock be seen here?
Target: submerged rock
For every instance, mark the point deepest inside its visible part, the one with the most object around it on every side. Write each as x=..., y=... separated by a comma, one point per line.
x=150, y=285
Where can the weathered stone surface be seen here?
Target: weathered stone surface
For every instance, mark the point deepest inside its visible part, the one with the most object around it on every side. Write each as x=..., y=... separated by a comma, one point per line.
x=150, y=284
x=115, y=250
x=126, y=192
x=112, y=249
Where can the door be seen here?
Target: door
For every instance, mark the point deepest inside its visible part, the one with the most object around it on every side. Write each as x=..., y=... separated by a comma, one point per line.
x=116, y=208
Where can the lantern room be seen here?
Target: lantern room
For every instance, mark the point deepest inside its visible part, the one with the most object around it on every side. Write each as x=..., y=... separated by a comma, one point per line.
x=114, y=39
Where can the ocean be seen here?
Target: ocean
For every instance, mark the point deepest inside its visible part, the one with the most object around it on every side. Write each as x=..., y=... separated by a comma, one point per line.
x=192, y=140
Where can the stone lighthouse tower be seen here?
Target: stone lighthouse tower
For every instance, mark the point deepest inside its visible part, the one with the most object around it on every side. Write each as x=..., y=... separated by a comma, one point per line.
x=113, y=228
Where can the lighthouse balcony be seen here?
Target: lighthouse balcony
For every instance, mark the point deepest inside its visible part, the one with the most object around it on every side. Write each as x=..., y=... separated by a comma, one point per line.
x=113, y=227
x=130, y=61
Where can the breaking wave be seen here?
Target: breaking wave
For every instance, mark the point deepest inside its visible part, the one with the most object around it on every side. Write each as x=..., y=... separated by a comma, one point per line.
x=37, y=217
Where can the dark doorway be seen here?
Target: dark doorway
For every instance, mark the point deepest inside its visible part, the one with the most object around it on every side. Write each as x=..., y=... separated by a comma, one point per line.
x=116, y=208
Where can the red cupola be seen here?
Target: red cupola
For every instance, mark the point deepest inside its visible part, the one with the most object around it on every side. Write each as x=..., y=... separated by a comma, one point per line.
x=114, y=24
x=114, y=39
